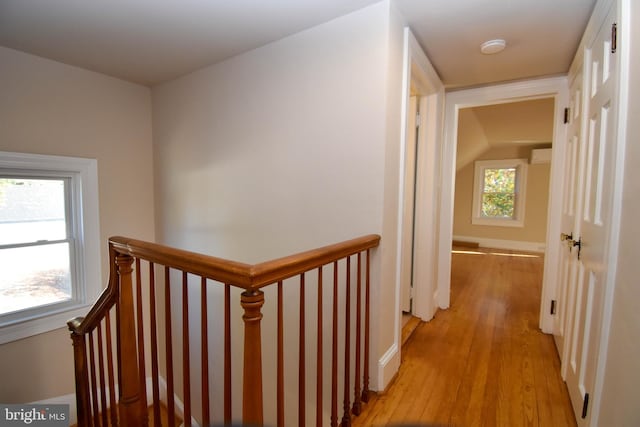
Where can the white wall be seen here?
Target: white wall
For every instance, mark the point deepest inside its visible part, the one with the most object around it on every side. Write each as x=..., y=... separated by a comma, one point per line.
x=254, y=153
x=288, y=147
x=50, y=108
x=622, y=376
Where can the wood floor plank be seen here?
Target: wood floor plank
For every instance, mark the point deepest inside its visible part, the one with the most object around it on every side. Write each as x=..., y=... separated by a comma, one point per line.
x=484, y=361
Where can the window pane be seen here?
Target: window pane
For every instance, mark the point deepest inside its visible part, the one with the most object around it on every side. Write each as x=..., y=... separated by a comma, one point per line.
x=32, y=210
x=499, y=180
x=498, y=205
x=33, y=276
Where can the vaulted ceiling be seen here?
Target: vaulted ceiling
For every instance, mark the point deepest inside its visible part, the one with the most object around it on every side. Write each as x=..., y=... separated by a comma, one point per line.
x=524, y=122
x=150, y=41
x=521, y=125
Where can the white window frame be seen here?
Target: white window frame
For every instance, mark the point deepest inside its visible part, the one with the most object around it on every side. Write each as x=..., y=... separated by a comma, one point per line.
x=83, y=185
x=520, y=166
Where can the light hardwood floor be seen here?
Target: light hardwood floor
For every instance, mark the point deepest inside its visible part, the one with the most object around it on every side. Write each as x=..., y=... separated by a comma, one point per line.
x=484, y=361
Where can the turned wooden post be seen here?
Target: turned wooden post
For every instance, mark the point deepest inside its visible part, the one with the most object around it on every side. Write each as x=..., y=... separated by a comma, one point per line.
x=252, y=413
x=82, y=379
x=129, y=403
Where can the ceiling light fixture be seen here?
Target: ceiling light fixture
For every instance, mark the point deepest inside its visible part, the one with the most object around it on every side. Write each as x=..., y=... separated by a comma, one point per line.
x=493, y=46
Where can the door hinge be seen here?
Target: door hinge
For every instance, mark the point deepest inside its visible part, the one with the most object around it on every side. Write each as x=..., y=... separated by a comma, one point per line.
x=566, y=115
x=585, y=405
x=614, y=37
x=417, y=120
x=553, y=306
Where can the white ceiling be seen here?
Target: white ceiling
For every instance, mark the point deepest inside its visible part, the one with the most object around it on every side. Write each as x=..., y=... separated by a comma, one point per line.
x=151, y=41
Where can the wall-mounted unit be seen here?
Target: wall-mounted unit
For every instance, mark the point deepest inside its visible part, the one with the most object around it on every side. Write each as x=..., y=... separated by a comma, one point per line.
x=540, y=156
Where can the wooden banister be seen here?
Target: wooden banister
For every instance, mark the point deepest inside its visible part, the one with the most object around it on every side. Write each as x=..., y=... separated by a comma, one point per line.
x=239, y=274
x=134, y=303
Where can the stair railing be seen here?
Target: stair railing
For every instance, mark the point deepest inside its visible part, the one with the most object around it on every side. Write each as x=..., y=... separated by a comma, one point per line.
x=143, y=273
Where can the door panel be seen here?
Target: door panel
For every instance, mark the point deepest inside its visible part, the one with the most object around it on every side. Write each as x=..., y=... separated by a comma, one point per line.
x=594, y=221
x=570, y=222
x=408, y=219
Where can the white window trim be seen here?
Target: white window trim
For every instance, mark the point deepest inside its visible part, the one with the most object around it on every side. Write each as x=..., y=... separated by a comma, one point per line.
x=89, y=278
x=520, y=190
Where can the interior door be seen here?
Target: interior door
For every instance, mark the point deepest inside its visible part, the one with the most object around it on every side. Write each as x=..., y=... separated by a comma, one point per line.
x=595, y=219
x=570, y=224
x=408, y=212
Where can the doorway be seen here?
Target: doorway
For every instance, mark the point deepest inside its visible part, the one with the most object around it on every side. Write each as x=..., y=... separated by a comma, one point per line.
x=418, y=205
x=555, y=88
x=421, y=138
x=503, y=166
x=500, y=213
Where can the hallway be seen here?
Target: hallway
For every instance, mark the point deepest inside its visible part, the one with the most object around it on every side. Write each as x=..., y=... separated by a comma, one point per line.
x=484, y=361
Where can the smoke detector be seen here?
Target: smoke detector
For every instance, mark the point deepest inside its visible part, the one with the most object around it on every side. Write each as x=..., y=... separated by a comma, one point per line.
x=493, y=46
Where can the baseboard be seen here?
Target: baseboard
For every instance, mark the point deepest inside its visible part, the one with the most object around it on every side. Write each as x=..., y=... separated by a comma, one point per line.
x=67, y=399
x=515, y=245
x=70, y=399
x=388, y=366
x=179, y=405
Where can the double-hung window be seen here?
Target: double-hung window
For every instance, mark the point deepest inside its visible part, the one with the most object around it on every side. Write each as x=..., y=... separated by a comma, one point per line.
x=499, y=192
x=49, y=241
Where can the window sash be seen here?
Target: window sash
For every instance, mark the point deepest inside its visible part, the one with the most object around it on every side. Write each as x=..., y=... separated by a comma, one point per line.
x=511, y=208
x=47, y=281
x=84, y=235
x=479, y=215
x=72, y=228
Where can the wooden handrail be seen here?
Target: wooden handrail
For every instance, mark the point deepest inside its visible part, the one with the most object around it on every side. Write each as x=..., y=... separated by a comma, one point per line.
x=247, y=276
x=124, y=293
x=225, y=271
x=107, y=299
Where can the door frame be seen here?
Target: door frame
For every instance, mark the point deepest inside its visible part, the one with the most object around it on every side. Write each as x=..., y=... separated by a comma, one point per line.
x=418, y=69
x=554, y=87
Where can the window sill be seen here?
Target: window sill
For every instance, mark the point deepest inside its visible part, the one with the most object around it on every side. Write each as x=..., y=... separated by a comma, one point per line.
x=50, y=322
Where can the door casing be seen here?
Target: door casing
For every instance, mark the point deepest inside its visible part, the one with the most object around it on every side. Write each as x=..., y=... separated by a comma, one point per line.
x=419, y=71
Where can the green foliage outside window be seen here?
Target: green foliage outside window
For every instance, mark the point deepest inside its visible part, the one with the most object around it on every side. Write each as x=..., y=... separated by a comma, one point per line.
x=498, y=193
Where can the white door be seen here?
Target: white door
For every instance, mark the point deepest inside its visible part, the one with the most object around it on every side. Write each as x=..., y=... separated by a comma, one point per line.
x=570, y=225
x=595, y=219
x=408, y=211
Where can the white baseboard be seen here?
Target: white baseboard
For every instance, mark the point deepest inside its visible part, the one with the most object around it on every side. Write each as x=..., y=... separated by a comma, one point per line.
x=70, y=399
x=514, y=245
x=178, y=404
x=388, y=366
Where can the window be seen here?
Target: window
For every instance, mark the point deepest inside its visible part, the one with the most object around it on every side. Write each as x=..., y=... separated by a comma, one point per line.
x=49, y=242
x=499, y=192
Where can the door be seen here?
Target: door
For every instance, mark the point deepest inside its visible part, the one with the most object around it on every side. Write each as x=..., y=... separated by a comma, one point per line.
x=570, y=226
x=408, y=211
x=595, y=218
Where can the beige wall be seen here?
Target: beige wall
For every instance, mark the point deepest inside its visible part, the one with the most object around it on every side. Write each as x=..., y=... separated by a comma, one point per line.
x=472, y=141
x=537, y=196
x=50, y=108
x=288, y=147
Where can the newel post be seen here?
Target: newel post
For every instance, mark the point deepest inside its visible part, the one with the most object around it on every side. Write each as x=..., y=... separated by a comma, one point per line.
x=129, y=403
x=82, y=379
x=252, y=413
